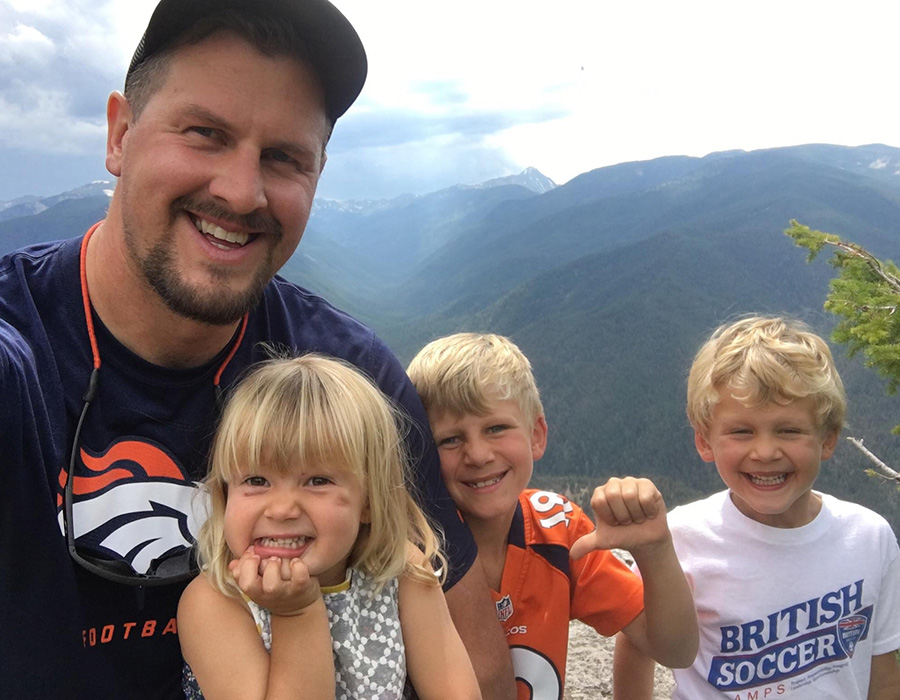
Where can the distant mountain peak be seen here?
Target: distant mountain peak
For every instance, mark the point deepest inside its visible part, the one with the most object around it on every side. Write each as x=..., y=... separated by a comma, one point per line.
x=31, y=205
x=530, y=178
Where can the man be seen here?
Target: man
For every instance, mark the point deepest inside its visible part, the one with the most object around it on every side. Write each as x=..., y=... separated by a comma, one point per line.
x=115, y=348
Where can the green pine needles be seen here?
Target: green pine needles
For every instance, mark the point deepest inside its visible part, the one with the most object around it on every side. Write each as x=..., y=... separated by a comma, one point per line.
x=866, y=295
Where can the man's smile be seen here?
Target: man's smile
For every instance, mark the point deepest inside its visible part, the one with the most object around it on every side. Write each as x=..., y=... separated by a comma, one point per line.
x=219, y=233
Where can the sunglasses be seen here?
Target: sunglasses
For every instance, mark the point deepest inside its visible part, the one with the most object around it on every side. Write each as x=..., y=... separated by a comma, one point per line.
x=176, y=567
x=181, y=564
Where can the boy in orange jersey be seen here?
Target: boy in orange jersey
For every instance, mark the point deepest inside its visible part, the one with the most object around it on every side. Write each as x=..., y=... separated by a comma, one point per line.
x=545, y=561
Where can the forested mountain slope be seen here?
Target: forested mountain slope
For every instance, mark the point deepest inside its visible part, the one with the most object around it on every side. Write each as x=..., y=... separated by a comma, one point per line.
x=609, y=283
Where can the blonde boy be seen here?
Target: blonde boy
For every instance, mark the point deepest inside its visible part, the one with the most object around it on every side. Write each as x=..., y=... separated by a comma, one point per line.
x=797, y=592
x=545, y=562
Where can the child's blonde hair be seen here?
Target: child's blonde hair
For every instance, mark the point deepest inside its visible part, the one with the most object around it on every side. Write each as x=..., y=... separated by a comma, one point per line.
x=461, y=373
x=760, y=360
x=319, y=410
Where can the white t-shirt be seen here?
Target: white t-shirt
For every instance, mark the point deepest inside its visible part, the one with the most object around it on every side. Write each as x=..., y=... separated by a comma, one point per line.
x=793, y=614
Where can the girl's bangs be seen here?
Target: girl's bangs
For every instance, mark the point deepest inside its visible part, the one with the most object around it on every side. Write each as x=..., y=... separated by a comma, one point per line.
x=280, y=433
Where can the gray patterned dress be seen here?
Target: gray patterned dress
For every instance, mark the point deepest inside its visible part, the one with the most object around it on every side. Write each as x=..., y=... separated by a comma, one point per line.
x=367, y=645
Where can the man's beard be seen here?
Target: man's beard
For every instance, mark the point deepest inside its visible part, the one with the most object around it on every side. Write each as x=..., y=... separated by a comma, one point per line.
x=214, y=307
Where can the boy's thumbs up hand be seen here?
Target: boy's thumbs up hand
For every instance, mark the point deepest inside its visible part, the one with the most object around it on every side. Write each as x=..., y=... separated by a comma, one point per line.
x=629, y=513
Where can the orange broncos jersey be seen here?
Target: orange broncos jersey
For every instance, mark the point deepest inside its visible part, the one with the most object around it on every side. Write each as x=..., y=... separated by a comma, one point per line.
x=542, y=590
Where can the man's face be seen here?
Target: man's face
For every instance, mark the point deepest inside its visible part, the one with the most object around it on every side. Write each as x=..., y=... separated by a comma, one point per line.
x=218, y=174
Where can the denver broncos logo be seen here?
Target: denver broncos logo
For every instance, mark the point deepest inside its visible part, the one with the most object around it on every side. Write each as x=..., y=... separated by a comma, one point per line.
x=132, y=502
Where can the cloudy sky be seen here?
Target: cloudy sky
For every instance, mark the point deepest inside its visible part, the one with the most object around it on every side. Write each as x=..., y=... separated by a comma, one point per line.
x=466, y=91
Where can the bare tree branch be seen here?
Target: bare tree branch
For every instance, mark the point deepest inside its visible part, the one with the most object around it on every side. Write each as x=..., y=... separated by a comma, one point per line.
x=886, y=471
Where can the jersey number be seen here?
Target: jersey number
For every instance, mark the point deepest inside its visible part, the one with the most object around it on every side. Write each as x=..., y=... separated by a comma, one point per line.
x=536, y=674
x=545, y=501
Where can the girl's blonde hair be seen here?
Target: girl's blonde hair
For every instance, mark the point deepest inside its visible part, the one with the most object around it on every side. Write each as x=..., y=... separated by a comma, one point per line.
x=761, y=360
x=319, y=410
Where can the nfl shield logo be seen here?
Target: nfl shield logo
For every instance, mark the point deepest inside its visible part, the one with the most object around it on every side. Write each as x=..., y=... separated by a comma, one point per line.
x=850, y=629
x=504, y=608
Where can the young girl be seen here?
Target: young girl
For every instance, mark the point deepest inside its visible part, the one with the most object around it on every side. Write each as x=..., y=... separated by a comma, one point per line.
x=316, y=575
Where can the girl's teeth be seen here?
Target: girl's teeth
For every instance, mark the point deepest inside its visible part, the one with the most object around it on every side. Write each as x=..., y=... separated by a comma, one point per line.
x=291, y=542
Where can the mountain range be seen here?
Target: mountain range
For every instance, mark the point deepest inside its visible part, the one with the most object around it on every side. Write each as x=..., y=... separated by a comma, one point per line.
x=609, y=283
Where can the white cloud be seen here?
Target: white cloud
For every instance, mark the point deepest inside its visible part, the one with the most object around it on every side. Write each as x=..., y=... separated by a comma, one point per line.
x=24, y=44
x=47, y=126
x=644, y=78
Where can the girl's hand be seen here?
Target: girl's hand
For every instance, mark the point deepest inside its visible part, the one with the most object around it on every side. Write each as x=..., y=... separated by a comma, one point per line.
x=283, y=587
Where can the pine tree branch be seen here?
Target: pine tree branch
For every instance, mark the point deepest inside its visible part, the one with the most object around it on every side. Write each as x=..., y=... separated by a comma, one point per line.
x=871, y=261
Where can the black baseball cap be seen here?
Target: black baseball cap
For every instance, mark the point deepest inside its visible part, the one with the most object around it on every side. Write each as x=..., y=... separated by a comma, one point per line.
x=334, y=48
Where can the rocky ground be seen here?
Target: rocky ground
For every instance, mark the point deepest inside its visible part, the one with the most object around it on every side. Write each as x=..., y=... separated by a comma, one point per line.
x=589, y=667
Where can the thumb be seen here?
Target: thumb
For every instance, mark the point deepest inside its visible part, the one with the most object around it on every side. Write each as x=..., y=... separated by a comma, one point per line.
x=584, y=545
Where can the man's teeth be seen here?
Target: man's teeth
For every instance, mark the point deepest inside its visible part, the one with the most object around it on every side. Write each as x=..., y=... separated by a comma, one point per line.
x=482, y=484
x=768, y=480
x=290, y=543
x=220, y=233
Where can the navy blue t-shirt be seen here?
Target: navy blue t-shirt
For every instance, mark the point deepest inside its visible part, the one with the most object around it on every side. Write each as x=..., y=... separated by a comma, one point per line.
x=65, y=632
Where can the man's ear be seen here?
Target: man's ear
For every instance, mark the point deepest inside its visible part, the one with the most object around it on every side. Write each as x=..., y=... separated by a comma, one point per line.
x=830, y=444
x=539, y=438
x=704, y=449
x=118, y=122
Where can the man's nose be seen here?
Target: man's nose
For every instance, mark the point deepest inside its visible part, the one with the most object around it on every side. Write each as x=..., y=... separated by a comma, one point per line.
x=238, y=181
